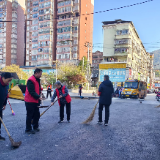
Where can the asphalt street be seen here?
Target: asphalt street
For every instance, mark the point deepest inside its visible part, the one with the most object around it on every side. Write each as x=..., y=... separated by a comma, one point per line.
x=133, y=133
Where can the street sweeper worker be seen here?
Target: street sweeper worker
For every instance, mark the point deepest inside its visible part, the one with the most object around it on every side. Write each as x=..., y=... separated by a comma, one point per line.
x=61, y=92
x=105, y=98
x=49, y=90
x=32, y=101
x=5, y=79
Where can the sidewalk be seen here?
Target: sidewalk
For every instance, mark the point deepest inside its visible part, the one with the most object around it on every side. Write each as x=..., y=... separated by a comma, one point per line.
x=75, y=95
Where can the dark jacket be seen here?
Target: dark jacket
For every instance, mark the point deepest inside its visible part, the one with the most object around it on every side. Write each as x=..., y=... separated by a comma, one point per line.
x=62, y=100
x=3, y=94
x=105, y=91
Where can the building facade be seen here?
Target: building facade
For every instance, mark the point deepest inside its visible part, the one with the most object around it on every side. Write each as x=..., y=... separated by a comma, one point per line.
x=58, y=30
x=74, y=29
x=122, y=44
x=11, y=33
x=40, y=35
x=151, y=72
x=97, y=58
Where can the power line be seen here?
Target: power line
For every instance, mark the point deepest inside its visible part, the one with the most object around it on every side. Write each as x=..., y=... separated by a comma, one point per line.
x=118, y=8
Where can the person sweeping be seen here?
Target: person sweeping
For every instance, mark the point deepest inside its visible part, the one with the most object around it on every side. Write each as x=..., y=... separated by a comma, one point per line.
x=5, y=79
x=32, y=101
x=61, y=92
x=105, y=98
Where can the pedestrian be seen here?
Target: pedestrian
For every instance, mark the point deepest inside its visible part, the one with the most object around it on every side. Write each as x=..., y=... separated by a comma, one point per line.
x=61, y=92
x=5, y=79
x=49, y=90
x=120, y=91
x=32, y=101
x=105, y=98
x=80, y=90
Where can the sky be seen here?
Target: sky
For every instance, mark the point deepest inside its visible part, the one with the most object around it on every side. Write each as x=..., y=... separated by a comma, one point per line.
x=145, y=17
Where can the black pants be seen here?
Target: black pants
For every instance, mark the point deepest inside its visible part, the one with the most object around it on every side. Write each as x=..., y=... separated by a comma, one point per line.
x=106, y=113
x=68, y=111
x=80, y=92
x=1, y=115
x=32, y=114
x=49, y=93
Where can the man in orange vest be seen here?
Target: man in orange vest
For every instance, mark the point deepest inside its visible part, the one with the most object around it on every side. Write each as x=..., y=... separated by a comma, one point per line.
x=49, y=90
x=61, y=92
x=32, y=101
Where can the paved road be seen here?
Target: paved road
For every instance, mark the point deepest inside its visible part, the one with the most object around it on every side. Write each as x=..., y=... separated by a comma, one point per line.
x=133, y=133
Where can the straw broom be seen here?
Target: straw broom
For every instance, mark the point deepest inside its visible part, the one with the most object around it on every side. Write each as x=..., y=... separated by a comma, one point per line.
x=90, y=118
x=157, y=106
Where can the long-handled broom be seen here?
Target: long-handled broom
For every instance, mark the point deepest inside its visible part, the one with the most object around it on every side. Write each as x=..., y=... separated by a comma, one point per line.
x=46, y=109
x=90, y=118
x=13, y=143
x=157, y=106
x=49, y=107
x=11, y=108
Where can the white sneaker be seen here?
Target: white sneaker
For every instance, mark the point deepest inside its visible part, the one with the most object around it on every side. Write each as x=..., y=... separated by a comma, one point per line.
x=106, y=124
x=100, y=123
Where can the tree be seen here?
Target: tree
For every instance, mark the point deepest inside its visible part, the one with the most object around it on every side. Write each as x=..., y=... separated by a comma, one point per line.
x=157, y=73
x=71, y=74
x=15, y=68
x=83, y=64
x=48, y=78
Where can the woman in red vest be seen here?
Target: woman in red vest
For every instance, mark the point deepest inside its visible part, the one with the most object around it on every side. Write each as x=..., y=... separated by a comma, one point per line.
x=61, y=92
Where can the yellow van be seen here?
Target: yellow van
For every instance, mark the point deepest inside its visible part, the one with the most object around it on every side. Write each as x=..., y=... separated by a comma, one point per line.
x=134, y=89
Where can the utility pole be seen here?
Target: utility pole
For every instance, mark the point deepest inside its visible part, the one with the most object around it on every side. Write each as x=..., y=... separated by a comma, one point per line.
x=56, y=62
x=88, y=45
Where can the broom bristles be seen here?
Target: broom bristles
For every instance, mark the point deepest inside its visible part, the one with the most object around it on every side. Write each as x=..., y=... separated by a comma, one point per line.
x=90, y=118
x=158, y=106
x=13, y=112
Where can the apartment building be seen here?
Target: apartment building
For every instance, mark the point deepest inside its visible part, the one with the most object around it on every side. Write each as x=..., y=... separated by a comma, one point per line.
x=40, y=33
x=58, y=30
x=97, y=58
x=74, y=29
x=11, y=33
x=151, y=72
x=122, y=44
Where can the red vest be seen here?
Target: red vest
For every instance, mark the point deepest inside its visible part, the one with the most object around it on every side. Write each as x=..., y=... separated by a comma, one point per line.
x=28, y=97
x=68, y=98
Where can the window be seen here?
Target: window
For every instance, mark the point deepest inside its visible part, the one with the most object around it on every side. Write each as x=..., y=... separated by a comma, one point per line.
x=65, y=29
x=34, y=34
x=34, y=52
x=35, y=3
x=41, y=11
x=62, y=43
x=64, y=9
x=35, y=40
x=41, y=18
x=40, y=50
x=35, y=9
x=123, y=41
x=34, y=46
x=121, y=50
x=34, y=28
x=41, y=5
x=75, y=28
x=64, y=36
x=63, y=49
x=35, y=21
x=122, y=32
x=74, y=49
x=35, y=15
